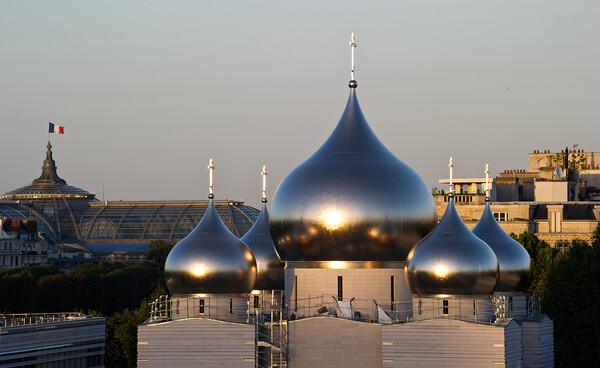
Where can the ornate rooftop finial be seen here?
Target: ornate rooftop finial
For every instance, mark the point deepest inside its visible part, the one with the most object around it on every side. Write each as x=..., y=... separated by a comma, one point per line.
x=49, y=176
x=451, y=166
x=264, y=174
x=352, y=83
x=487, y=182
x=210, y=168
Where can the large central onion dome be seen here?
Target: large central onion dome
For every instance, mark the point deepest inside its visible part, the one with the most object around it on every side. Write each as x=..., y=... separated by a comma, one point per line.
x=352, y=200
x=451, y=261
x=513, y=259
x=210, y=260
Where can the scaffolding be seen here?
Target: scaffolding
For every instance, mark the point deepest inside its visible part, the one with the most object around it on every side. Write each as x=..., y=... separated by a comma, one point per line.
x=271, y=328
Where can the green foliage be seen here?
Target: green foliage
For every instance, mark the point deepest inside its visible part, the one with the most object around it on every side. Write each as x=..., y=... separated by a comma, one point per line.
x=572, y=301
x=576, y=161
x=596, y=236
x=111, y=290
x=104, y=288
x=121, y=333
x=158, y=251
x=543, y=258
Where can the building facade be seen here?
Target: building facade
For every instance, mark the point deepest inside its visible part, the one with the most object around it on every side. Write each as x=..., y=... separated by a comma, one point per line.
x=369, y=279
x=52, y=340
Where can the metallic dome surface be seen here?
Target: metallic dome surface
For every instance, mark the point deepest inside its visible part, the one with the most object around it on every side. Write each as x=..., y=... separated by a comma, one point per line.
x=451, y=260
x=210, y=260
x=352, y=200
x=513, y=259
x=269, y=273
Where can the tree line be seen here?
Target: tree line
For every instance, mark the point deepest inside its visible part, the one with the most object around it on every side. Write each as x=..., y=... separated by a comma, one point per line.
x=569, y=284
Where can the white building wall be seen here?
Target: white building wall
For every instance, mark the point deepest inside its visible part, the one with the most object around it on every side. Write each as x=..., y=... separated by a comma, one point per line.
x=307, y=289
x=333, y=342
x=538, y=342
x=448, y=343
x=196, y=342
x=232, y=308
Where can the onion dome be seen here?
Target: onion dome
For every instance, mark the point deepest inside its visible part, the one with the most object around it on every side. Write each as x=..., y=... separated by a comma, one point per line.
x=513, y=260
x=210, y=260
x=269, y=272
x=48, y=185
x=451, y=260
x=352, y=200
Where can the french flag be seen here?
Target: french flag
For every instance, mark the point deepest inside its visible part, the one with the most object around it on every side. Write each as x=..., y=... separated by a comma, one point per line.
x=53, y=128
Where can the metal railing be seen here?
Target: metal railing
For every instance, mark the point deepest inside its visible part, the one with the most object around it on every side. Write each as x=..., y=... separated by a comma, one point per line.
x=364, y=310
x=10, y=320
x=534, y=305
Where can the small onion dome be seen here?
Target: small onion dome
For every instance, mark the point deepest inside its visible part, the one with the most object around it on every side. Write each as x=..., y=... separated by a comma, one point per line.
x=210, y=260
x=451, y=261
x=513, y=259
x=352, y=200
x=269, y=274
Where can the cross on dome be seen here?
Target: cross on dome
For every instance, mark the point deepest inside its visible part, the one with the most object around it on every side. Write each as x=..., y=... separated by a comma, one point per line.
x=210, y=168
x=353, y=45
x=451, y=166
x=487, y=182
x=264, y=174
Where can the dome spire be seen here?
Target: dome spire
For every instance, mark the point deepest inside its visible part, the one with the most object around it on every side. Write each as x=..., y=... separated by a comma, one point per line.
x=210, y=168
x=451, y=166
x=264, y=174
x=352, y=83
x=487, y=183
x=49, y=176
x=269, y=272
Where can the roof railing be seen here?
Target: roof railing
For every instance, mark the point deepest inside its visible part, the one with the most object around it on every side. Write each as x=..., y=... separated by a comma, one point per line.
x=24, y=319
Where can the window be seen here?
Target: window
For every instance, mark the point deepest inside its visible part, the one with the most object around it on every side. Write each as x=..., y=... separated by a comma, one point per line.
x=480, y=188
x=200, y=307
x=296, y=293
x=445, y=308
x=501, y=216
x=392, y=291
x=340, y=288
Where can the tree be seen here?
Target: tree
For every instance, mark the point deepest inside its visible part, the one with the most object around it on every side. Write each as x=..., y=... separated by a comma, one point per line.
x=121, y=333
x=572, y=301
x=543, y=258
x=596, y=235
x=158, y=251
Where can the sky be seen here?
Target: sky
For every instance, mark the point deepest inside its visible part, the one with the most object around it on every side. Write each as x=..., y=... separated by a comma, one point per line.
x=148, y=91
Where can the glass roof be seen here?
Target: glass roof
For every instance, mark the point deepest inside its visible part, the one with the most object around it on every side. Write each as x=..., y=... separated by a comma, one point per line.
x=75, y=221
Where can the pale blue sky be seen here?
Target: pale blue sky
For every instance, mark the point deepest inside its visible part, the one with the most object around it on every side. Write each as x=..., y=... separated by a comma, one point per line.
x=149, y=90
